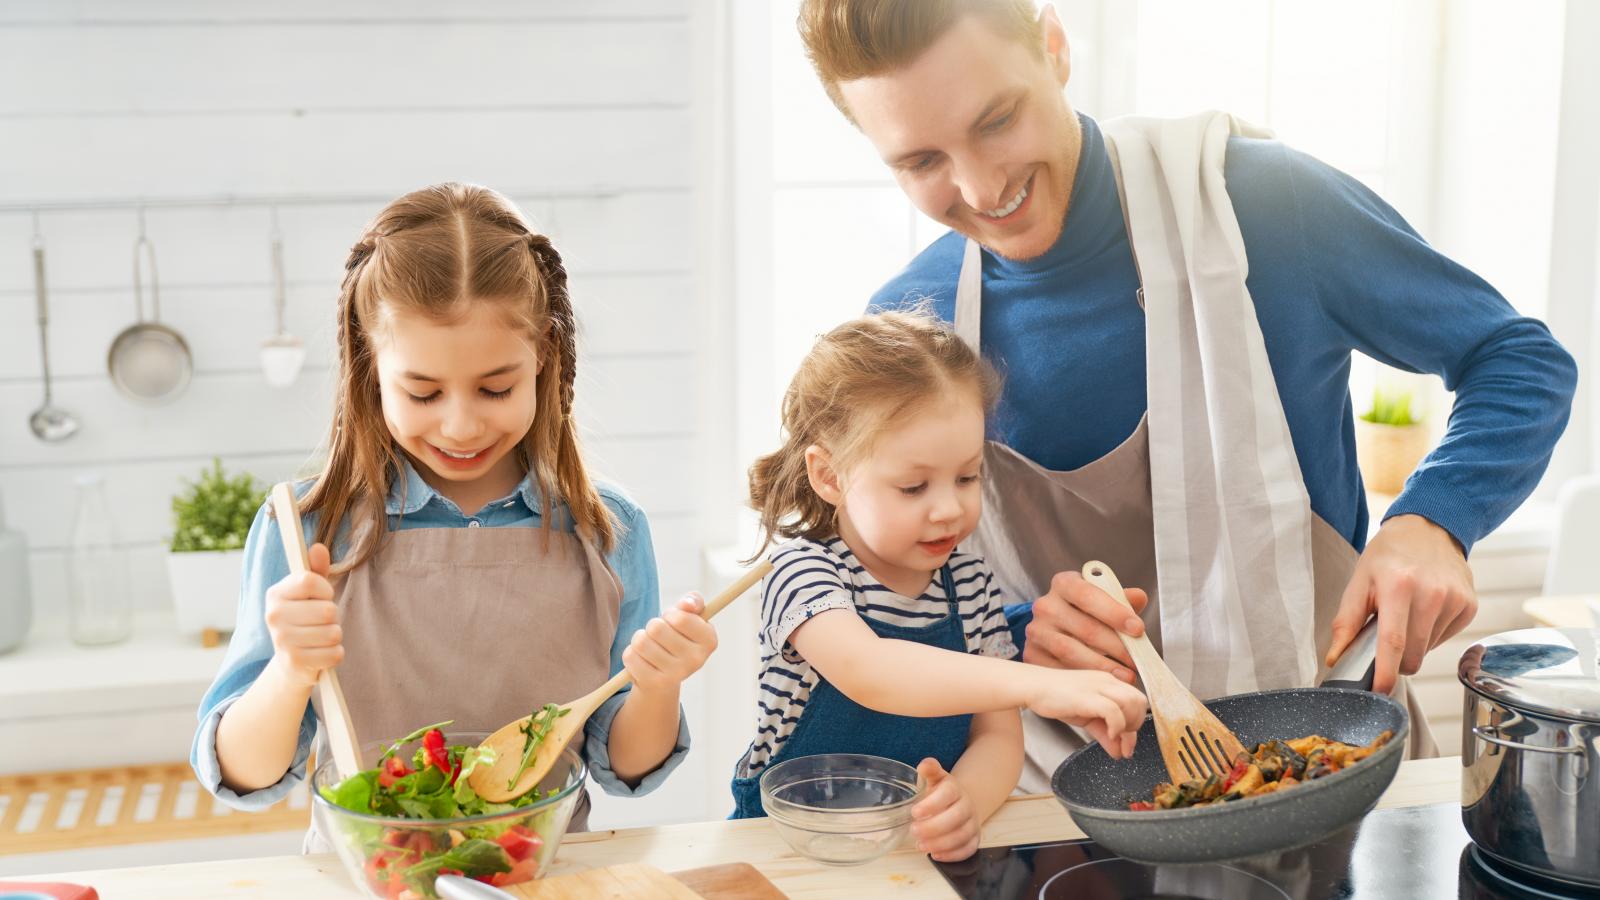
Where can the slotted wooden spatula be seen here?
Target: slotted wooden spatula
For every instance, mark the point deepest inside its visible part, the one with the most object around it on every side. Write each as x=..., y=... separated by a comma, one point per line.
x=1194, y=743
x=335, y=716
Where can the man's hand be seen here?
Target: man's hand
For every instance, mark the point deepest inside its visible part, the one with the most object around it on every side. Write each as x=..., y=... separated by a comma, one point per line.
x=1415, y=577
x=1075, y=627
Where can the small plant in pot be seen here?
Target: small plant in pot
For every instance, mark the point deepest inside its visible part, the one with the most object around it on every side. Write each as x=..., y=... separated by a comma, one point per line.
x=1391, y=439
x=211, y=519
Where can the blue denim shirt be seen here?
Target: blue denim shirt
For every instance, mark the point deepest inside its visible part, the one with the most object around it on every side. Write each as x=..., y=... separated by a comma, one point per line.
x=412, y=503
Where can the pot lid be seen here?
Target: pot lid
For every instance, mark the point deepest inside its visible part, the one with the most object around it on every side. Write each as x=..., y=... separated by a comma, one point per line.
x=1555, y=671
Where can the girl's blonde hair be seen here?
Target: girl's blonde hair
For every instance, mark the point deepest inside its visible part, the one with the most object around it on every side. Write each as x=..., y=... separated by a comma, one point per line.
x=859, y=379
x=432, y=252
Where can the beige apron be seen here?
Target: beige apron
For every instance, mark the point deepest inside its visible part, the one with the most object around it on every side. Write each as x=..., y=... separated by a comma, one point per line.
x=1038, y=522
x=477, y=625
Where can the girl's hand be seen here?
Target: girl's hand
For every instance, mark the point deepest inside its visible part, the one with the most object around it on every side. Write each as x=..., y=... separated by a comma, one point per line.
x=1095, y=701
x=304, y=623
x=671, y=647
x=943, y=821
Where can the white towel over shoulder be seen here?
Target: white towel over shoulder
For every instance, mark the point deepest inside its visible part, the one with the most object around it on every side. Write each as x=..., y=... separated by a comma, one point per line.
x=1232, y=516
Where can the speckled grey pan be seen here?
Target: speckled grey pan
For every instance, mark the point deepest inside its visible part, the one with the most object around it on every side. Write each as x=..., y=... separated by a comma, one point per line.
x=1096, y=789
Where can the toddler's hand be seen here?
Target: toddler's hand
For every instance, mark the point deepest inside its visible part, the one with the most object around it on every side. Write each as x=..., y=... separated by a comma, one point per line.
x=942, y=821
x=670, y=647
x=303, y=621
x=1108, y=709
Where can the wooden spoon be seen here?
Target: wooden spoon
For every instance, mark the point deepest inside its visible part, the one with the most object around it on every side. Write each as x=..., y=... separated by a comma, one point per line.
x=1194, y=742
x=335, y=715
x=493, y=783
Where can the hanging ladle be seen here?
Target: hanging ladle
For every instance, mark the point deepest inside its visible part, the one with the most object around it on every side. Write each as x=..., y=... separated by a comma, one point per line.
x=49, y=422
x=281, y=354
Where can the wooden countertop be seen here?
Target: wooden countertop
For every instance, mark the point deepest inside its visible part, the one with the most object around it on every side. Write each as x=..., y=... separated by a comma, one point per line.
x=671, y=848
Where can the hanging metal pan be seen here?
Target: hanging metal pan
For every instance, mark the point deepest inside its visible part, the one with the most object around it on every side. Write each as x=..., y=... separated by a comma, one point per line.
x=149, y=361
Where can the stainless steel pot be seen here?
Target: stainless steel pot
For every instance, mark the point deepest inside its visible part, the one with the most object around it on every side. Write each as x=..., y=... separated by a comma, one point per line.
x=1530, y=787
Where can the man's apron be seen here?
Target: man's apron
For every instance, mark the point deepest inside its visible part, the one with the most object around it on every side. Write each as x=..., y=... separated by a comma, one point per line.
x=1215, y=524
x=478, y=625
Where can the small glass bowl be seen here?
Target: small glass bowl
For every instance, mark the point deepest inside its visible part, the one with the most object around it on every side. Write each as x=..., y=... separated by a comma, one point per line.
x=376, y=849
x=842, y=809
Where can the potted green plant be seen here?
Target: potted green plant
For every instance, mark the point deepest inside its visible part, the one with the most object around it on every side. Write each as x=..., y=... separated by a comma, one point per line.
x=1391, y=438
x=211, y=519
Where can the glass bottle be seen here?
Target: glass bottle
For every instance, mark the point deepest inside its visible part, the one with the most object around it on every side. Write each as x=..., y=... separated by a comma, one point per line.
x=97, y=575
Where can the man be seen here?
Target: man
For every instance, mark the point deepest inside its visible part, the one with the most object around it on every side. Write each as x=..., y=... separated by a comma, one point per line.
x=1173, y=306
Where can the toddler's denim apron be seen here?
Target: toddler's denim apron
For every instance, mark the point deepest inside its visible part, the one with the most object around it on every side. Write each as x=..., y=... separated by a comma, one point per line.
x=833, y=723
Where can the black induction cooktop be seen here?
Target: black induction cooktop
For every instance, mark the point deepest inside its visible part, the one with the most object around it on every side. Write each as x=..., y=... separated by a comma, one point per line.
x=1415, y=853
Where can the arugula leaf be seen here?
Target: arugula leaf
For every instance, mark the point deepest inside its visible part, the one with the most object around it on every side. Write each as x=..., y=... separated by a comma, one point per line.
x=535, y=731
x=413, y=736
x=473, y=857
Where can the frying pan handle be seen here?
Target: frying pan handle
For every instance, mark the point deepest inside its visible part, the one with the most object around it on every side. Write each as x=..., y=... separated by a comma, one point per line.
x=1359, y=663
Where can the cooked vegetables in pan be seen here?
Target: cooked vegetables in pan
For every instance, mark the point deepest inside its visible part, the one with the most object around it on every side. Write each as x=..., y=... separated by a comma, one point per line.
x=1272, y=766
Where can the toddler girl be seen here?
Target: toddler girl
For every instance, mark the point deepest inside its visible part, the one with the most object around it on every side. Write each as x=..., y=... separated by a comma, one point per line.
x=879, y=635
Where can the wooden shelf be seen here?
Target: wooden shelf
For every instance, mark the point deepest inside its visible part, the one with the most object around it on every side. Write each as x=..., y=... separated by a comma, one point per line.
x=70, y=810
x=51, y=676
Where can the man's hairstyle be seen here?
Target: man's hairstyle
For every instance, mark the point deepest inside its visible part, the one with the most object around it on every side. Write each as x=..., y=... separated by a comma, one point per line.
x=850, y=39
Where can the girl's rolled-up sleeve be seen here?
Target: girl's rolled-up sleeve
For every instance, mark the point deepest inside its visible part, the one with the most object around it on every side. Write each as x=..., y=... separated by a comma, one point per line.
x=248, y=653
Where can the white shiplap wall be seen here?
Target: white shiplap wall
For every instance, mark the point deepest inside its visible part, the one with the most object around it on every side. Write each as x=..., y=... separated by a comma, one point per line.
x=580, y=112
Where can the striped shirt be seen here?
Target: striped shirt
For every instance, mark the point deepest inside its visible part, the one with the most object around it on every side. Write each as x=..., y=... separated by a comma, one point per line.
x=809, y=577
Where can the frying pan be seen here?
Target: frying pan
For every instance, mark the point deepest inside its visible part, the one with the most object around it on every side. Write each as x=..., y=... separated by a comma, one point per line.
x=149, y=361
x=1096, y=789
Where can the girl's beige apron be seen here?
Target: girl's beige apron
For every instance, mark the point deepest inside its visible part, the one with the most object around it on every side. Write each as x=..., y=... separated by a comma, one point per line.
x=478, y=625
x=1244, y=579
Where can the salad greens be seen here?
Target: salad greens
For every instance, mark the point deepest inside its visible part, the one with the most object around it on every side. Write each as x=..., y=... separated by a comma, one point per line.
x=431, y=784
x=535, y=731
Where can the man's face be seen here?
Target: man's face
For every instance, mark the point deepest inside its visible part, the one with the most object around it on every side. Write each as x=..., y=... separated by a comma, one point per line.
x=978, y=132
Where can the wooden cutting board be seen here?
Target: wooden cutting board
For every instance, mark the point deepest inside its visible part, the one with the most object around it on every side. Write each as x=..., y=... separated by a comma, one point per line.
x=739, y=881
x=632, y=880
x=621, y=882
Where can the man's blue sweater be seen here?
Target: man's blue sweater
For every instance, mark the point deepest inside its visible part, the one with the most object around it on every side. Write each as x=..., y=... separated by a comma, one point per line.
x=1332, y=269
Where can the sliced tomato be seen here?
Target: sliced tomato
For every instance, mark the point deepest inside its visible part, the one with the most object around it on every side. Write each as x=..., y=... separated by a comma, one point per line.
x=522, y=870
x=520, y=842
x=1240, y=766
x=394, y=769
x=1141, y=806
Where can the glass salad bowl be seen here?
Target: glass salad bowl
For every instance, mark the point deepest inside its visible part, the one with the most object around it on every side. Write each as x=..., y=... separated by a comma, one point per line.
x=842, y=809
x=400, y=856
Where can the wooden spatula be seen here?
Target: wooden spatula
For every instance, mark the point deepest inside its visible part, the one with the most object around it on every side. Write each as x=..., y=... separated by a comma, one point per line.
x=1194, y=743
x=335, y=716
x=493, y=783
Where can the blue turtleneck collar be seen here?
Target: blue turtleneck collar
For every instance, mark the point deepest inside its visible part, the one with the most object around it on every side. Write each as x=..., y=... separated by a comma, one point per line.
x=1093, y=221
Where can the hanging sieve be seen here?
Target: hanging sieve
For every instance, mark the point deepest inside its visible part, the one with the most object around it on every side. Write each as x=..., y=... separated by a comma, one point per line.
x=149, y=361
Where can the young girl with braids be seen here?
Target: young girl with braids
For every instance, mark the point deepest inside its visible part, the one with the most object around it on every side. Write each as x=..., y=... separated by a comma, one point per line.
x=479, y=571
x=879, y=635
